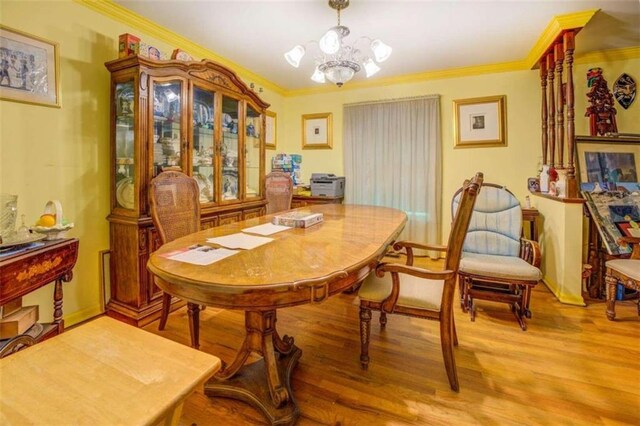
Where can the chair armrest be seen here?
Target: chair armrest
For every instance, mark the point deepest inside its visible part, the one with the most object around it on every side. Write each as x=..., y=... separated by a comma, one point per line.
x=530, y=252
x=634, y=242
x=389, y=304
x=410, y=245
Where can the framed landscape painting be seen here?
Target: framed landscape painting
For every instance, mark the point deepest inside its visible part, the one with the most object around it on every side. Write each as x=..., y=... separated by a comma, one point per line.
x=480, y=122
x=611, y=162
x=29, y=68
x=270, y=130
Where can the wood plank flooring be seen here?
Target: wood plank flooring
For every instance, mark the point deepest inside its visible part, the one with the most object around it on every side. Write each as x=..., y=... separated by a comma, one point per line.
x=572, y=366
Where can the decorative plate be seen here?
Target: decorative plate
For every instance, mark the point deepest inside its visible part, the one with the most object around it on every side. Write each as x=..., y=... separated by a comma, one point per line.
x=125, y=193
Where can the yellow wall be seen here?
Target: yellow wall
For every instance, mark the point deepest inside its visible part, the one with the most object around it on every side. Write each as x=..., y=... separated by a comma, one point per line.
x=50, y=153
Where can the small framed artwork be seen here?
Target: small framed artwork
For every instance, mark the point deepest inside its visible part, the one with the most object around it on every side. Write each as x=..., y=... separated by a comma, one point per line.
x=271, y=123
x=29, y=68
x=480, y=122
x=317, y=131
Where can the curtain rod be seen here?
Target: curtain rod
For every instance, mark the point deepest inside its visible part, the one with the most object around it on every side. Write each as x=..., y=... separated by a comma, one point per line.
x=382, y=101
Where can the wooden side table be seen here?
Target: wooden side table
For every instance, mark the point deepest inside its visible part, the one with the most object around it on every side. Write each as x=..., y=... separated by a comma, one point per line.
x=531, y=216
x=103, y=372
x=27, y=271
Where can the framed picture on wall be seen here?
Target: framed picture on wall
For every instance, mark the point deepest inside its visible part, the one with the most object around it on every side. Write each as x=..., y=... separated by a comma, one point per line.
x=317, y=131
x=611, y=162
x=270, y=130
x=480, y=122
x=29, y=68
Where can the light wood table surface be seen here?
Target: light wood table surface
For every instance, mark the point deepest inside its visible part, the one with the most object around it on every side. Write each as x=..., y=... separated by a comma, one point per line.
x=299, y=266
x=101, y=373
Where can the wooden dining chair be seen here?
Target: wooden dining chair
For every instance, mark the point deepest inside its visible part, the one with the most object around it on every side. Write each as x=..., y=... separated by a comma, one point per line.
x=175, y=211
x=625, y=272
x=279, y=191
x=418, y=292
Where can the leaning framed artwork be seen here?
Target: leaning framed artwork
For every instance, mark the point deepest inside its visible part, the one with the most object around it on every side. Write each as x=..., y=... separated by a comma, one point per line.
x=29, y=68
x=609, y=162
x=271, y=126
x=480, y=122
x=317, y=131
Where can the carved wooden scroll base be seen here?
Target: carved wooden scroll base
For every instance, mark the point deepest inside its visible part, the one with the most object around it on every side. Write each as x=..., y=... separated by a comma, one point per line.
x=264, y=384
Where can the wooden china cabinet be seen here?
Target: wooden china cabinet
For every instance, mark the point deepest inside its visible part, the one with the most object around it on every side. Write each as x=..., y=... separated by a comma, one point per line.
x=198, y=116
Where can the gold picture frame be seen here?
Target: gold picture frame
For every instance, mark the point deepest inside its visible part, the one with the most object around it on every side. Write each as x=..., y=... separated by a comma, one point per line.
x=480, y=122
x=271, y=130
x=29, y=69
x=317, y=131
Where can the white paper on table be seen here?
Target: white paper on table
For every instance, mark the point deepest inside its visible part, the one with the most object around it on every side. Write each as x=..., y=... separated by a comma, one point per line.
x=266, y=229
x=240, y=241
x=203, y=255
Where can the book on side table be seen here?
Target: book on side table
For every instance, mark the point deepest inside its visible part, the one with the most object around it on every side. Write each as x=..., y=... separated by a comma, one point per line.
x=298, y=219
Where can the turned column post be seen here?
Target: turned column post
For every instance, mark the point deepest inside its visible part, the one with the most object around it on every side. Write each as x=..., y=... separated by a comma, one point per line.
x=569, y=46
x=551, y=110
x=543, y=86
x=559, y=57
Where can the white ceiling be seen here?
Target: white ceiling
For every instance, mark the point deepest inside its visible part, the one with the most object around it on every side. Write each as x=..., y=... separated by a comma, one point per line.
x=425, y=35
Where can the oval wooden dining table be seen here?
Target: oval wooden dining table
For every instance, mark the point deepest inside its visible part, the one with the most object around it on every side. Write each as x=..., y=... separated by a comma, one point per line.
x=300, y=265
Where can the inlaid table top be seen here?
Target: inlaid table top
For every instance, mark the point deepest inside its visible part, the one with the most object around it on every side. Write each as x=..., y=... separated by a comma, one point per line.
x=101, y=373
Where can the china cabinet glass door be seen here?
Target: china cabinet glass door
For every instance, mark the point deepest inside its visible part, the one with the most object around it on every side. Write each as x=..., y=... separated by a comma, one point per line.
x=229, y=148
x=167, y=122
x=204, y=143
x=253, y=124
x=124, y=145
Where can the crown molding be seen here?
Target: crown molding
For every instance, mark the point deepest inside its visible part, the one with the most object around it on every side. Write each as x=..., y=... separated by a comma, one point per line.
x=556, y=27
x=121, y=14
x=610, y=55
x=414, y=78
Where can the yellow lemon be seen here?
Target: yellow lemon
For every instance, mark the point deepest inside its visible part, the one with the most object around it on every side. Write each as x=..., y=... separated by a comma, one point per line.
x=47, y=220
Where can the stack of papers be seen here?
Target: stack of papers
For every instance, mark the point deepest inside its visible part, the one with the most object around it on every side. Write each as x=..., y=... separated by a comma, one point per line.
x=240, y=241
x=200, y=255
x=266, y=229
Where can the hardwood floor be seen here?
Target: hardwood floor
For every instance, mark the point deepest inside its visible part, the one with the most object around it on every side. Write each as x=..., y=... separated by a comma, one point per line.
x=572, y=366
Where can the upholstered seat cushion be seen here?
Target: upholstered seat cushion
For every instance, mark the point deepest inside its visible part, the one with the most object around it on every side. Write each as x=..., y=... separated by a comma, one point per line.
x=628, y=267
x=506, y=267
x=415, y=292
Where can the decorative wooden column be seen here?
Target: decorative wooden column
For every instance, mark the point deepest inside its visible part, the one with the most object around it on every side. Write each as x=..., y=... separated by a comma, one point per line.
x=551, y=110
x=569, y=47
x=543, y=85
x=559, y=56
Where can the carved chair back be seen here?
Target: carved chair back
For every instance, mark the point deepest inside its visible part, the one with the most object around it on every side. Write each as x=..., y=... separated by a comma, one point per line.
x=175, y=205
x=279, y=191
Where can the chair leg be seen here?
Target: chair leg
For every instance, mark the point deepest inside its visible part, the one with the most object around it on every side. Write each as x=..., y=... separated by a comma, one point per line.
x=455, y=333
x=164, y=313
x=612, y=284
x=383, y=320
x=194, y=324
x=365, y=334
x=447, y=353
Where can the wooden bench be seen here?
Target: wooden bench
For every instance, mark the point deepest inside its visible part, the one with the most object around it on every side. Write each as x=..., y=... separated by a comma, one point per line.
x=101, y=373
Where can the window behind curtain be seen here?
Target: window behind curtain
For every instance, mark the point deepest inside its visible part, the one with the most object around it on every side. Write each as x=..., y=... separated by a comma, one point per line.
x=392, y=154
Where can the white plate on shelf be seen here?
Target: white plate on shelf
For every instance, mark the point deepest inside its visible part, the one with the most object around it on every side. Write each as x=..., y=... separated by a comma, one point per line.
x=125, y=193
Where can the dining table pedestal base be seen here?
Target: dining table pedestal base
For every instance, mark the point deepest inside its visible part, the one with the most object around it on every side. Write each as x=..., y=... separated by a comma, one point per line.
x=266, y=383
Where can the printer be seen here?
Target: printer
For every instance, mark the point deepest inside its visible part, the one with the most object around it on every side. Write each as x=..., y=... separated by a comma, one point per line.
x=326, y=185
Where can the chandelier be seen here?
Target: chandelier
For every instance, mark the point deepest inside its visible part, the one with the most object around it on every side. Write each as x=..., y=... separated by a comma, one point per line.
x=338, y=61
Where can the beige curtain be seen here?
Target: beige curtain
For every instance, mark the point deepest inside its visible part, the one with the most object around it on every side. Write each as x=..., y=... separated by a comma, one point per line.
x=392, y=154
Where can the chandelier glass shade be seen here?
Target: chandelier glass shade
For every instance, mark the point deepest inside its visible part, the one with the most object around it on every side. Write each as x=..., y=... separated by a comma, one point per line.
x=337, y=60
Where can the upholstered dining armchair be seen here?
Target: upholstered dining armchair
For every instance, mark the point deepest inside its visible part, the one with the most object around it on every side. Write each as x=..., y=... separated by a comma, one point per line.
x=497, y=263
x=279, y=191
x=175, y=211
x=624, y=271
x=409, y=290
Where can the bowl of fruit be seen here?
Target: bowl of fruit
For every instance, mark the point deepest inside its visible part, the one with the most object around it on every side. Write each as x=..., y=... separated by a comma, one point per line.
x=52, y=223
